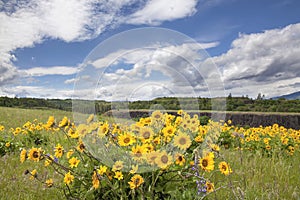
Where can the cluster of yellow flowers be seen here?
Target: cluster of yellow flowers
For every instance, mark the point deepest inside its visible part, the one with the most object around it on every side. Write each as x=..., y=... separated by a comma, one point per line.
x=269, y=138
x=160, y=142
x=34, y=126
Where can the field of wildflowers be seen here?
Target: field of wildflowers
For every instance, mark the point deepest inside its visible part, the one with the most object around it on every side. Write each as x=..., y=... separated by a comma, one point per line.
x=158, y=157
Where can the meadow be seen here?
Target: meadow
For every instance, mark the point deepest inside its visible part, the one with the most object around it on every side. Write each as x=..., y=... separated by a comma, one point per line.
x=256, y=163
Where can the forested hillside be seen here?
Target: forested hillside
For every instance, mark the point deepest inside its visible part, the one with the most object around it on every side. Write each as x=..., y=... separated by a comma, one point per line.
x=165, y=103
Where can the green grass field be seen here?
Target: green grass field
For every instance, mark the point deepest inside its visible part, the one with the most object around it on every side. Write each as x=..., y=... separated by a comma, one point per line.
x=14, y=117
x=254, y=176
x=14, y=183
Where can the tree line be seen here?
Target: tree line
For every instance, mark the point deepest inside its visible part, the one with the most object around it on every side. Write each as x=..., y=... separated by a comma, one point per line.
x=165, y=103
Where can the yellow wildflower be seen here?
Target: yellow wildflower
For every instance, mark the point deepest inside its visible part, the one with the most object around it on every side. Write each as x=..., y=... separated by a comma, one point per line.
x=118, y=175
x=69, y=178
x=74, y=162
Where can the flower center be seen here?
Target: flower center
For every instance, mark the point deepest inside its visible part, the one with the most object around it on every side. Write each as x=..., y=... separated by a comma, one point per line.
x=137, y=181
x=182, y=141
x=146, y=135
x=204, y=163
x=224, y=167
x=164, y=159
x=35, y=154
x=138, y=154
x=81, y=146
x=126, y=140
x=180, y=158
x=157, y=116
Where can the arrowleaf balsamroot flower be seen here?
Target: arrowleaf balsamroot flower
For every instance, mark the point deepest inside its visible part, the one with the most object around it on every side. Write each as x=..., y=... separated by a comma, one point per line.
x=35, y=154
x=103, y=129
x=126, y=139
x=90, y=118
x=102, y=169
x=49, y=182
x=138, y=152
x=156, y=116
x=169, y=131
x=163, y=160
x=80, y=147
x=70, y=153
x=182, y=141
x=49, y=160
x=50, y=122
x=33, y=174
x=118, y=175
x=73, y=134
x=146, y=134
x=64, y=122
x=134, y=169
x=207, y=163
x=23, y=155
x=180, y=160
x=59, y=150
x=117, y=166
x=209, y=187
x=225, y=168
x=74, y=162
x=95, y=180
x=69, y=178
x=7, y=144
x=136, y=181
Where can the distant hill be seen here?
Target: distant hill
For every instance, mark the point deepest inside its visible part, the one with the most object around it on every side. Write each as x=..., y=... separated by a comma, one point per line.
x=292, y=96
x=166, y=103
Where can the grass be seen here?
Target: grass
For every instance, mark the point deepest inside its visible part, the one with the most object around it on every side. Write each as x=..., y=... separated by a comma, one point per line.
x=14, y=117
x=254, y=176
x=259, y=177
x=14, y=183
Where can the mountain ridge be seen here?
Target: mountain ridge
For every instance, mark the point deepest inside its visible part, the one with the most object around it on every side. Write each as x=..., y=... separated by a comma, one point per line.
x=291, y=96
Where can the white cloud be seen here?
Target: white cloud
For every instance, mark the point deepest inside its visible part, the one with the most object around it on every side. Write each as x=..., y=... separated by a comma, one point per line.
x=70, y=81
x=85, y=78
x=157, y=11
x=8, y=72
x=266, y=62
x=262, y=60
x=36, y=92
x=25, y=23
x=54, y=70
x=152, y=71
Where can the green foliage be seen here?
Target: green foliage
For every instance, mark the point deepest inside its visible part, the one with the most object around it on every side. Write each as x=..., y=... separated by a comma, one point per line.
x=260, y=104
x=204, y=120
x=7, y=146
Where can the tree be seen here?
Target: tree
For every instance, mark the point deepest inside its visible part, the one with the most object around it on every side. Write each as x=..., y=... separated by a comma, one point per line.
x=259, y=96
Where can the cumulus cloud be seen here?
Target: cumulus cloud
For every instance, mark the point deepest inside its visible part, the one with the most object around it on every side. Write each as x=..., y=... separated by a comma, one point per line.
x=7, y=70
x=25, y=23
x=266, y=62
x=262, y=59
x=54, y=70
x=156, y=11
x=36, y=92
x=158, y=70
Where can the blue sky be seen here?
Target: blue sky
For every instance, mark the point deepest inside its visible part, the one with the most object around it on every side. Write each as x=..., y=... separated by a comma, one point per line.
x=254, y=47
